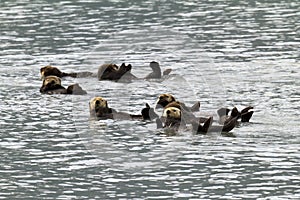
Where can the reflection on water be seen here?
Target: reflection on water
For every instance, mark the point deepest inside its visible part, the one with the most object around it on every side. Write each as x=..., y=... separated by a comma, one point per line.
x=232, y=53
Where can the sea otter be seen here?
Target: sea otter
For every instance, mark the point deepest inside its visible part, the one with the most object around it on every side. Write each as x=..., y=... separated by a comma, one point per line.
x=156, y=71
x=168, y=100
x=123, y=73
x=245, y=115
x=115, y=73
x=99, y=109
x=209, y=127
x=54, y=71
x=223, y=114
x=172, y=120
x=52, y=85
x=172, y=116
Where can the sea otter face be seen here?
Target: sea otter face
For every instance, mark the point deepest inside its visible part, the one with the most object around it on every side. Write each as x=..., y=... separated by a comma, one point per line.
x=172, y=113
x=50, y=71
x=164, y=100
x=52, y=85
x=51, y=81
x=98, y=103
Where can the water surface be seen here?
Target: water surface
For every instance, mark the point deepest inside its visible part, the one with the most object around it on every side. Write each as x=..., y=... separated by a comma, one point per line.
x=223, y=53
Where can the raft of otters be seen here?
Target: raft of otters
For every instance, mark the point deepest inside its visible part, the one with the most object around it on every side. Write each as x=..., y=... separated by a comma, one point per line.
x=175, y=114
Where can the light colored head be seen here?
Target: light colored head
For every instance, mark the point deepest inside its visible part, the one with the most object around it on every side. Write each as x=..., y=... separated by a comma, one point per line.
x=97, y=103
x=164, y=100
x=172, y=112
x=51, y=80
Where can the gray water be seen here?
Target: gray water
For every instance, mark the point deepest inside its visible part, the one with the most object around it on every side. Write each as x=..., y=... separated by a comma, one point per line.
x=223, y=53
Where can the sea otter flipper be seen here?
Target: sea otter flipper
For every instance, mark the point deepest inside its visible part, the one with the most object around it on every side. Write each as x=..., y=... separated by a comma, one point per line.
x=156, y=71
x=136, y=117
x=225, y=128
x=75, y=89
x=207, y=124
x=245, y=110
x=148, y=113
x=159, y=123
x=202, y=119
x=230, y=125
x=195, y=107
x=235, y=113
x=56, y=91
x=245, y=117
x=223, y=111
x=202, y=129
x=167, y=72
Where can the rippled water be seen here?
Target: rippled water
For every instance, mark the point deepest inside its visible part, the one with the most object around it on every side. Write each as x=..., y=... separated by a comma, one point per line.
x=232, y=53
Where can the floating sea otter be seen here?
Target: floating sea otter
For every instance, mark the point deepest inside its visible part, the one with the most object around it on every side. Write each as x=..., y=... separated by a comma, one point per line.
x=176, y=113
x=172, y=120
x=54, y=71
x=107, y=72
x=99, y=109
x=52, y=85
x=113, y=72
x=168, y=100
x=245, y=115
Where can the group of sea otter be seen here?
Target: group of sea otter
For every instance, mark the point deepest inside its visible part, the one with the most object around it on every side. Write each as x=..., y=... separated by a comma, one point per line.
x=175, y=114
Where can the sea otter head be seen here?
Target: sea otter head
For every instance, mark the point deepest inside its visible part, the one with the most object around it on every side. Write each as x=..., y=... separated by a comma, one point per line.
x=164, y=100
x=107, y=71
x=172, y=113
x=50, y=81
x=97, y=103
x=50, y=71
x=99, y=107
x=155, y=67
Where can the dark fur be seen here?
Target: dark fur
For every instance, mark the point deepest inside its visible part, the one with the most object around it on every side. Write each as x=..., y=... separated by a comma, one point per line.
x=245, y=115
x=147, y=113
x=54, y=88
x=156, y=71
x=208, y=127
x=115, y=73
x=53, y=71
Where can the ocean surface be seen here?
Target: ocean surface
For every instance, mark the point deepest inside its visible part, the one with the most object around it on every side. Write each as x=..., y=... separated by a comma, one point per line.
x=222, y=53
